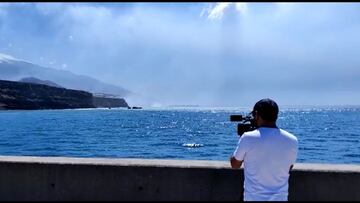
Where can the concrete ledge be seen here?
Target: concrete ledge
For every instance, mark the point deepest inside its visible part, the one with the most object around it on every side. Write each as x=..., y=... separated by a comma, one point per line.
x=117, y=162
x=167, y=163
x=59, y=178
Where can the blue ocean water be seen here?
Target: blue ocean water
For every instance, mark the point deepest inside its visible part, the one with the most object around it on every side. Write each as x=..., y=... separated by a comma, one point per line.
x=326, y=135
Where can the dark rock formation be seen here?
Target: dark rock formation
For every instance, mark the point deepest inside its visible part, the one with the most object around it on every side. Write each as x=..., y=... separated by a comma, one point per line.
x=19, y=95
x=109, y=102
x=41, y=82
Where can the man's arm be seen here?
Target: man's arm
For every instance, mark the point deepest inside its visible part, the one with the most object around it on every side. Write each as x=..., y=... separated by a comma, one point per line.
x=235, y=163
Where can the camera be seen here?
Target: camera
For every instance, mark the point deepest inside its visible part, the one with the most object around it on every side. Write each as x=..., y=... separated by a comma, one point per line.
x=247, y=123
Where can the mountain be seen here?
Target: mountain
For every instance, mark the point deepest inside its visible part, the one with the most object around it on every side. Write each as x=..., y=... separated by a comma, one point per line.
x=38, y=81
x=15, y=69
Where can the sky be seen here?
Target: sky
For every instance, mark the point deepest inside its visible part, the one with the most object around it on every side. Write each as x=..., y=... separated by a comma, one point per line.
x=208, y=54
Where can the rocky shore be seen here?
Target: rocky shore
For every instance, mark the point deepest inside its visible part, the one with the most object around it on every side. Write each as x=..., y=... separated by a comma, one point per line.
x=29, y=96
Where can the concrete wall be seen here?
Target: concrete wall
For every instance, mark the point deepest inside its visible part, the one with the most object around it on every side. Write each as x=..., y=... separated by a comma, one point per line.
x=46, y=178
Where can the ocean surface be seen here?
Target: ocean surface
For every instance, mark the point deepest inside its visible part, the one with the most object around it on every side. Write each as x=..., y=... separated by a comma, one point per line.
x=325, y=134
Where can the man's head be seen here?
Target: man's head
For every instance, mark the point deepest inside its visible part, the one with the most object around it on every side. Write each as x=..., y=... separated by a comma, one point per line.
x=265, y=111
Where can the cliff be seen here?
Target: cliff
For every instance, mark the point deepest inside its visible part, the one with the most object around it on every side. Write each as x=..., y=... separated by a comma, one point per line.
x=30, y=96
x=38, y=81
x=20, y=95
x=109, y=102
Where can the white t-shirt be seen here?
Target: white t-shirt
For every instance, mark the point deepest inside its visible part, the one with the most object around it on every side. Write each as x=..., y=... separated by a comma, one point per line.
x=267, y=154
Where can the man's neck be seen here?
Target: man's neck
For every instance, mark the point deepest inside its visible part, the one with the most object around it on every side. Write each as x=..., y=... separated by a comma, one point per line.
x=268, y=125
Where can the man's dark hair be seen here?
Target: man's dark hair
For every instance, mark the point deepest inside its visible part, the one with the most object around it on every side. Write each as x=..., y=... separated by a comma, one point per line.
x=267, y=109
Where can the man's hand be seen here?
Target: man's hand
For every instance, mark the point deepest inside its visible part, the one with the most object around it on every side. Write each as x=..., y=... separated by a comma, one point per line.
x=235, y=163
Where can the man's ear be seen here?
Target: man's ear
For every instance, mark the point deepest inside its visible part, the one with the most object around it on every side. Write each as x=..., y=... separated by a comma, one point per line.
x=256, y=115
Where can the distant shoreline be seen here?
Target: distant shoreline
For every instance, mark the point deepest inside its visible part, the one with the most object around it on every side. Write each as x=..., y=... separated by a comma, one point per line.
x=205, y=108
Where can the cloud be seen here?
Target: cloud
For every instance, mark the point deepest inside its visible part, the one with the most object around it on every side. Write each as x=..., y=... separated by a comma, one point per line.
x=241, y=7
x=130, y=46
x=50, y=8
x=217, y=11
x=231, y=52
x=3, y=7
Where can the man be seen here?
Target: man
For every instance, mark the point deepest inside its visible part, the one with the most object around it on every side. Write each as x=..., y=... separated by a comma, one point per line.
x=268, y=154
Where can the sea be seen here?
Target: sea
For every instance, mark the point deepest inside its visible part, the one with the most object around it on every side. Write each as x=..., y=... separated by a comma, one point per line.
x=325, y=134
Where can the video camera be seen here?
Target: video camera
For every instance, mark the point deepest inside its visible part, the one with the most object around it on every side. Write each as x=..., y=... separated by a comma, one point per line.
x=248, y=123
